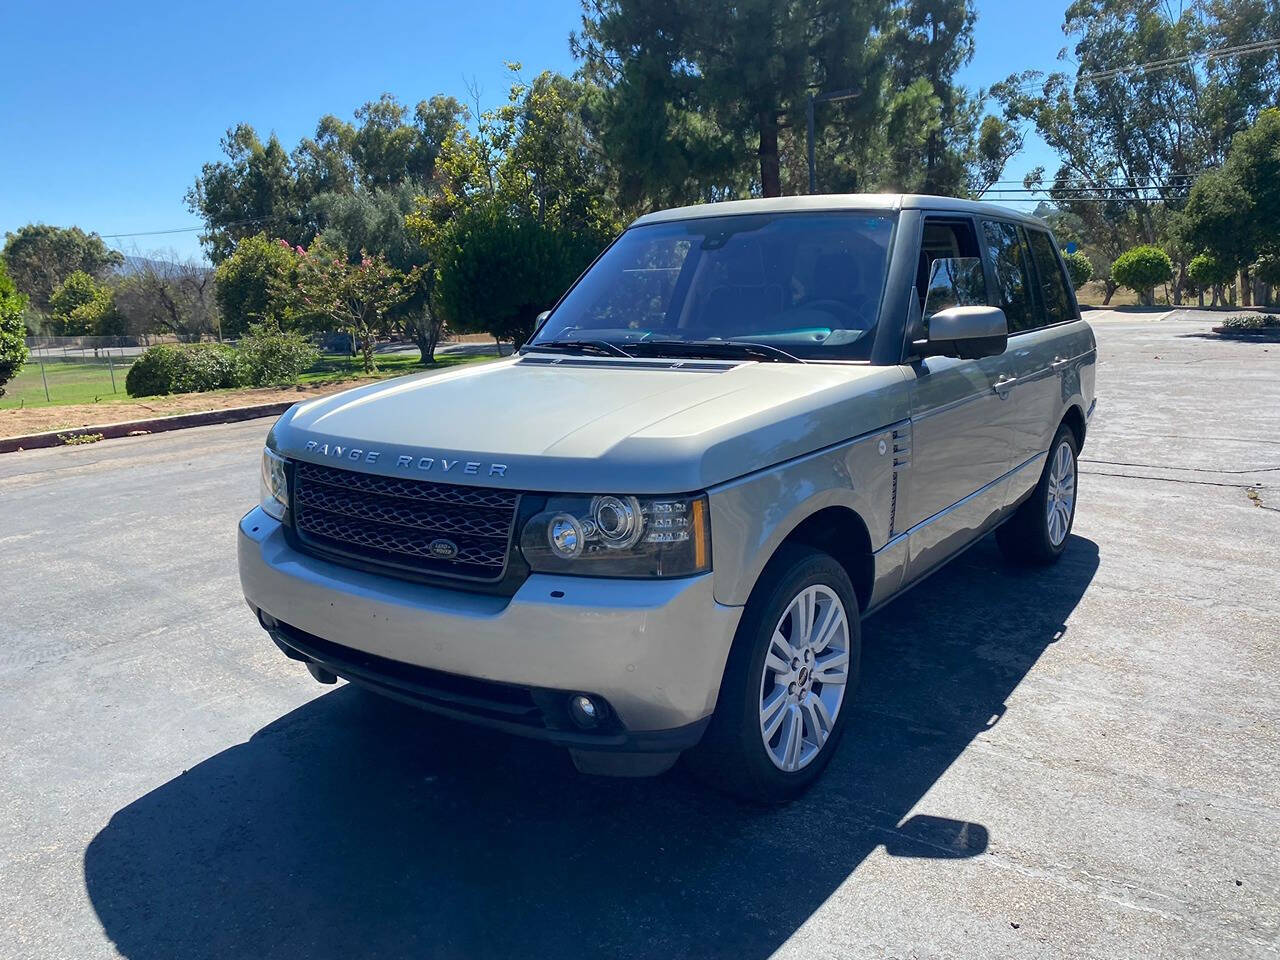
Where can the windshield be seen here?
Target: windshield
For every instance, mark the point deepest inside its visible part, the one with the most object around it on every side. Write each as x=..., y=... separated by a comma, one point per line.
x=806, y=284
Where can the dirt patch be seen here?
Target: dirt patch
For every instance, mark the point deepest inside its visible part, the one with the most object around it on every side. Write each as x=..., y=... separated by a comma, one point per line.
x=15, y=423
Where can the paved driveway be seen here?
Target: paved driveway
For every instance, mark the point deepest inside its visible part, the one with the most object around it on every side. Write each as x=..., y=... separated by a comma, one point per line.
x=1083, y=762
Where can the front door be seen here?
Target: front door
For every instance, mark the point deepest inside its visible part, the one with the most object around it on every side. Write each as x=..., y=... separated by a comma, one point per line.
x=960, y=448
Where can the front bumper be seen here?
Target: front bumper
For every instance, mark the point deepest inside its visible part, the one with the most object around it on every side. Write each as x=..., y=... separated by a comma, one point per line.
x=655, y=650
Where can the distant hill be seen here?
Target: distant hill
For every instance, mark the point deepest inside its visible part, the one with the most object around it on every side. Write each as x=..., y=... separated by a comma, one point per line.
x=136, y=264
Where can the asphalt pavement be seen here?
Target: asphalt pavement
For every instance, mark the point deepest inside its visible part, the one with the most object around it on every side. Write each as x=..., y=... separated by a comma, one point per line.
x=1078, y=762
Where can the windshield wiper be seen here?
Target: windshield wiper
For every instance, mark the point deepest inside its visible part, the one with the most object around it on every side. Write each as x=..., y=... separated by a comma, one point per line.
x=716, y=349
x=602, y=347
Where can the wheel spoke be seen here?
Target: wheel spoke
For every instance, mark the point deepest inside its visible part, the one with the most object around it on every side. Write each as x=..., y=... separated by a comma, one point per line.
x=819, y=720
x=802, y=630
x=782, y=648
x=830, y=624
x=792, y=739
x=833, y=668
x=774, y=661
x=772, y=713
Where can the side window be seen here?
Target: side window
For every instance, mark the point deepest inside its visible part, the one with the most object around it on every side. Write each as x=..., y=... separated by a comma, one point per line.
x=1013, y=281
x=1053, y=286
x=951, y=240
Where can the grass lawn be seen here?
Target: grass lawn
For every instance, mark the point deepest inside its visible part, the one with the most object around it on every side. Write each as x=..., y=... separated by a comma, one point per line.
x=336, y=367
x=70, y=381
x=75, y=382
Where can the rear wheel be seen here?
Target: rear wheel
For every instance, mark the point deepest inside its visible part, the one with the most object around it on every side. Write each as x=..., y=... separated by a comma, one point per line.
x=784, y=699
x=1037, y=532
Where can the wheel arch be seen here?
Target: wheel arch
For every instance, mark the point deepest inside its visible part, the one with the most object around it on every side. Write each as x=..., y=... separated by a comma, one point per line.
x=1075, y=419
x=839, y=531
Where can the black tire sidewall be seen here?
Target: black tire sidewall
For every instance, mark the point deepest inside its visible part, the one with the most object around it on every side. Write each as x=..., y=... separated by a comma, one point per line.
x=733, y=750
x=1041, y=498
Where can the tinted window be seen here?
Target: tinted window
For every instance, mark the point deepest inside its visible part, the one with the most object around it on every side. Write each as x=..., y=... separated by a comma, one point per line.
x=1053, y=286
x=809, y=284
x=1013, y=284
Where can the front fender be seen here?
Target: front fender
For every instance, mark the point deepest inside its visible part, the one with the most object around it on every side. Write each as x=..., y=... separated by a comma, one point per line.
x=752, y=516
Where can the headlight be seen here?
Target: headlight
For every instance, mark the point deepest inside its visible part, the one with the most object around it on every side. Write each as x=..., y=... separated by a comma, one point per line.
x=618, y=536
x=274, y=489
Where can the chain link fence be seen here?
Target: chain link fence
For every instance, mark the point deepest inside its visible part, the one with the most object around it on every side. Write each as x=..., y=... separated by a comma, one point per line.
x=75, y=369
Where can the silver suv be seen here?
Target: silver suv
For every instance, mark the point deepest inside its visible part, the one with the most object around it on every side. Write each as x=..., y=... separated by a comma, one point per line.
x=657, y=528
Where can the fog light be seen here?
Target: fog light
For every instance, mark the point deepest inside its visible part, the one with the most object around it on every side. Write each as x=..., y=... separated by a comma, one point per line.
x=586, y=712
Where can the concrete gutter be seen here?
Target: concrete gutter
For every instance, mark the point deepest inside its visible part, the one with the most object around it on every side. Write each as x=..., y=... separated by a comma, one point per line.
x=56, y=438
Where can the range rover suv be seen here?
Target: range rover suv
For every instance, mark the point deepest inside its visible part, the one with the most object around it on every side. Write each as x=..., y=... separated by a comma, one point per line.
x=657, y=528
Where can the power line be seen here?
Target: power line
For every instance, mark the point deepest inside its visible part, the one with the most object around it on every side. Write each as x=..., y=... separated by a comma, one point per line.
x=220, y=226
x=1157, y=66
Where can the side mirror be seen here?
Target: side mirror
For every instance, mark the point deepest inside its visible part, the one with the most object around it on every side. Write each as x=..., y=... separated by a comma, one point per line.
x=540, y=319
x=966, y=332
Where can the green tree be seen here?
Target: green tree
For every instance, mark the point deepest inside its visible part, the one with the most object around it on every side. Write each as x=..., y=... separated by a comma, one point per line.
x=1141, y=269
x=1079, y=268
x=535, y=263
x=1232, y=211
x=375, y=220
x=82, y=307
x=936, y=140
x=262, y=187
x=245, y=283
x=697, y=92
x=1207, y=272
x=13, y=346
x=516, y=210
x=40, y=258
x=1133, y=141
x=357, y=297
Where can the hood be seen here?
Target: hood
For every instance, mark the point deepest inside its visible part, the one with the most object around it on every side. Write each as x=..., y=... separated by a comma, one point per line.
x=582, y=425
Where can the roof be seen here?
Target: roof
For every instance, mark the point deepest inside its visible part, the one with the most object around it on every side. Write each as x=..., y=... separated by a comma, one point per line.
x=891, y=202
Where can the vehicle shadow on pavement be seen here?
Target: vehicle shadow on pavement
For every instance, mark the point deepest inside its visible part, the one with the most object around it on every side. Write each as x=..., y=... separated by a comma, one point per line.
x=357, y=827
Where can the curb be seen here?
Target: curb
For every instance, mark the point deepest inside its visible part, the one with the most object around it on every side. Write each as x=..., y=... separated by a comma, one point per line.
x=54, y=438
x=1263, y=334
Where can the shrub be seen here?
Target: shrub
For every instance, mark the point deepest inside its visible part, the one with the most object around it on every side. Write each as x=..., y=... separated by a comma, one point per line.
x=13, y=348
x=1079, y=268
x=268, y=355
x=1252, y=321
x=1207, y=271
x=1141, y=268
x=185, y=368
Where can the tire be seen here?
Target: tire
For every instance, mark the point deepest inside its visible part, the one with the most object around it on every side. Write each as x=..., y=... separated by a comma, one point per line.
x=1035, y=535
x=735, y=756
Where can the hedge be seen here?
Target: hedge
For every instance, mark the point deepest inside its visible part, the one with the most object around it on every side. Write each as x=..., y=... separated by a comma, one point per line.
x=183, y=368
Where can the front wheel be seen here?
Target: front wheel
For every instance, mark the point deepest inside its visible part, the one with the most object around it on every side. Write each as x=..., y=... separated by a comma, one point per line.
x=792, y=670
x=1037, y=532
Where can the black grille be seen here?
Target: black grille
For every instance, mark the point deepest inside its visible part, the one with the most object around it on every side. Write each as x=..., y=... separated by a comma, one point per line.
x=400, y=523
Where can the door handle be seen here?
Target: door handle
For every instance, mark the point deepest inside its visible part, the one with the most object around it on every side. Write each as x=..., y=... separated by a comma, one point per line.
x=1003, y=386
x=1058, y=364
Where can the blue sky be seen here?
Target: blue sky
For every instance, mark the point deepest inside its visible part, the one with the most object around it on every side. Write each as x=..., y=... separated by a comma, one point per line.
x=110, y=109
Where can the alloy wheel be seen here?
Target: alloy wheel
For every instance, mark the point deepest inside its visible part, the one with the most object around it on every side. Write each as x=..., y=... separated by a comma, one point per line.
x=806, y=671
x=1061, y=497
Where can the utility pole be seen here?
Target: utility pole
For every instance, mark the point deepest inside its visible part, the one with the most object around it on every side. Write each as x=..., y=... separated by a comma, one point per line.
x=848, y=94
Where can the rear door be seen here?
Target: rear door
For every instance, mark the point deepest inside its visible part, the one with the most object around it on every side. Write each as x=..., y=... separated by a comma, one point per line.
x=1027, y=365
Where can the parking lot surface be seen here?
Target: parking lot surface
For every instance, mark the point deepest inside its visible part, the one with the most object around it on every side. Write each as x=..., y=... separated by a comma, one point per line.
x=1078, y=762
